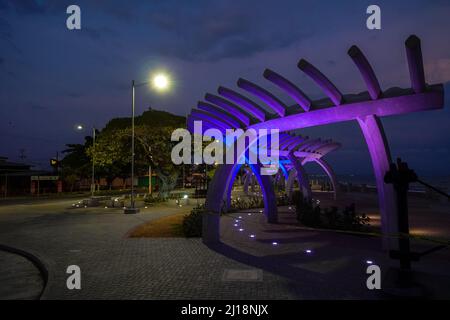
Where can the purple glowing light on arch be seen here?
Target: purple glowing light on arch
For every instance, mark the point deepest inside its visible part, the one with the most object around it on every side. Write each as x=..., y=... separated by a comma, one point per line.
x=204, y=115
x=366, y=112
x=229, y=107
x=220, y=113
x=247, y=104
x=366, y=70
x=273, y=102
x=292, y=90
x=318, y=77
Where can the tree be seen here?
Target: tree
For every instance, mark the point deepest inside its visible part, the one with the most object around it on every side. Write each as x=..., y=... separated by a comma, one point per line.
x=112, y=150
x=111, y=154
x=76, y=163
x=156, y=148
x=152, y=146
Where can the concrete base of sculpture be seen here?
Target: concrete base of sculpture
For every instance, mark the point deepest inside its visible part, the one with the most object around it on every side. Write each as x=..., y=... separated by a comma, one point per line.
x=211, y=228
x=130, y=210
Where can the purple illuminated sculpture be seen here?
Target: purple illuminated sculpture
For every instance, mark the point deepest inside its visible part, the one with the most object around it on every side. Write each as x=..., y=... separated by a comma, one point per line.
x=366, y=109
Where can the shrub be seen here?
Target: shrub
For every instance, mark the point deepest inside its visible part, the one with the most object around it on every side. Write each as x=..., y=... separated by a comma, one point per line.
x=353, y=220
x=282, y=200
x=192, y=223
x=150, y=199
x=332, y=216
x=255, y=202
x=306, y=212
x=314, y=216
x=251, y=202
x=238, y=204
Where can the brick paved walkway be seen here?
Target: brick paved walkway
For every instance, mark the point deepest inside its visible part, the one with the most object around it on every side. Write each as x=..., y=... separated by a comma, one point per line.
x=19, y=278
x=116, y=267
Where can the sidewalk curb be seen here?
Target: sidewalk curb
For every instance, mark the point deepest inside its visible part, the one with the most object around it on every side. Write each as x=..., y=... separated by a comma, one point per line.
x=34, y=260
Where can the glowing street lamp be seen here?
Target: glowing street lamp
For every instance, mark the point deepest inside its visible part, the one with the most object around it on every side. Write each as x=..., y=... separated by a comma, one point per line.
x=160, y=82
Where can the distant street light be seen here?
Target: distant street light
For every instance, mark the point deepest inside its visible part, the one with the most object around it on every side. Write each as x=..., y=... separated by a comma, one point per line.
x=80, y=127
x=160, y=82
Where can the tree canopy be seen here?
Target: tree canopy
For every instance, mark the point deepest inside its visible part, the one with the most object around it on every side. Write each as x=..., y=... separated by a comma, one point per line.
x=112, y=149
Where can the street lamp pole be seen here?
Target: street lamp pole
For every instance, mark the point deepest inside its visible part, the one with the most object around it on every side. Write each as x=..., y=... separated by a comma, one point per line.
x=149, y=173
x=93, y=163
x=132, y=143
x=161, y=82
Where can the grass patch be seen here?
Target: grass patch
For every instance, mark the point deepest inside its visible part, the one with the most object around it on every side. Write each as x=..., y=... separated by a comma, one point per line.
x=166, y=227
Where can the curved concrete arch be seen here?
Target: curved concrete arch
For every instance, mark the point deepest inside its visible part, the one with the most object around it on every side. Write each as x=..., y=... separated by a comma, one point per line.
x=220, y=113
x=330, y=173
x=291, y=89
x=205, y=116
x=252, y=172
x=302, y=176
x=376, y=141
x=229, y=107
x=298, y=172
x=366, y=70
x=395, y=101
x=219, y=187
x=243, y=102
x=289, y=187
x=248, y=180
x=227, y=196
x=322, y=81
x=273, y=102
x=283, y=169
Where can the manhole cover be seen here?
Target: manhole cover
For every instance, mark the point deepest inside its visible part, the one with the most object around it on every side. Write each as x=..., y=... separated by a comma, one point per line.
x=242, y=275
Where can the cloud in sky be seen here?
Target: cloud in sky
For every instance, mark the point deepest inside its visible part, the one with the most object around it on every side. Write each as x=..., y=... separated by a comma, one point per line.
x=86, y=74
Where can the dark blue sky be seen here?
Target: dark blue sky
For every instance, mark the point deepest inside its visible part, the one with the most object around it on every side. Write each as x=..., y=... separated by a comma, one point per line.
x=52, y=78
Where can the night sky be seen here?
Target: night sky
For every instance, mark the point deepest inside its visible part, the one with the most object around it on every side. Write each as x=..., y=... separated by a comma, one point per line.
x=52, y=78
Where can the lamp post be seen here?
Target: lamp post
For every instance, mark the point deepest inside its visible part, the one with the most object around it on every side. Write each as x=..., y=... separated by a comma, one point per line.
x=93, y=163
x=149, y=173
x=160, y=82
x=80, y=127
